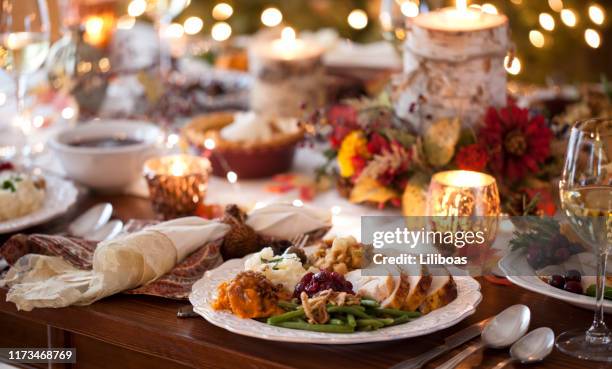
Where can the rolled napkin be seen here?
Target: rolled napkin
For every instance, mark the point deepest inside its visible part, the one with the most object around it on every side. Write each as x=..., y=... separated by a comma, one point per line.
x=285, y=221
x=121, y=264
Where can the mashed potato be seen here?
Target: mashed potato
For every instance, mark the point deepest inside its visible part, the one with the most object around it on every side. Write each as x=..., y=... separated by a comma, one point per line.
x=20, y=195
x=283, y=269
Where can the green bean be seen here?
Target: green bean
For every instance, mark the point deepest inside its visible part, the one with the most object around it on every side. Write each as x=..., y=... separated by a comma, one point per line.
x=349, y=310
x=366, y=328
x=396, y=312
x=274, y=320
x=351, y=320
x=335, y=321
x=376, y=323
x=326, y=328
x=288, y=305
x=369, y=303
x=401, y=320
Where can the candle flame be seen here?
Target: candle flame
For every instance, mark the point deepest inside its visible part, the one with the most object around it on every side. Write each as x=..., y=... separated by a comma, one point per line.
x=461, y=5
x=178, y=168
x=288, y=34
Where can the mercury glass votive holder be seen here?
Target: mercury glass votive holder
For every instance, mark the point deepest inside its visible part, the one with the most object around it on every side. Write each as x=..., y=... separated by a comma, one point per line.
x=177, y=184
x=464, y=201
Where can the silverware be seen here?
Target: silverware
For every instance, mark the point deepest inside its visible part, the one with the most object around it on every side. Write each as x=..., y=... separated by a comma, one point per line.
x=532, y=348
x=300, y=240
x=186, y=312
x=505, y=329
x=450, y=342
x=106, y=232
x=92, y=219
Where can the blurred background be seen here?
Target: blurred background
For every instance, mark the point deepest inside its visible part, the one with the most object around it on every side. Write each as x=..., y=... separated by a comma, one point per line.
x=560, y=41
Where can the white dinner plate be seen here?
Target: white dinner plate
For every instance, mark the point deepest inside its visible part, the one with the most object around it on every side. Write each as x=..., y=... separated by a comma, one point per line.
x=518, y=271
x=204, y=292
x=60, y=195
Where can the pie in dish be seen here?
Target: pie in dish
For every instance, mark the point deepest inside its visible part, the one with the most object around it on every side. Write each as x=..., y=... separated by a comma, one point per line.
x=249, y=144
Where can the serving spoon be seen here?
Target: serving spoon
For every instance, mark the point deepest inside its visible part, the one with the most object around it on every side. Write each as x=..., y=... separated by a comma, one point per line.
x=532, y=348
x=502, y=331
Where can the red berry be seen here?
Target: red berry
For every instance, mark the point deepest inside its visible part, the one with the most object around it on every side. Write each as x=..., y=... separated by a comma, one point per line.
x=557, y=281
x=573, y=286
x=573, y=275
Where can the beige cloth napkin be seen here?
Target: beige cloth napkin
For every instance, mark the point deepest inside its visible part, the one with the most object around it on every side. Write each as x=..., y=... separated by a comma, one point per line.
x=285, y=221
x=121, y=264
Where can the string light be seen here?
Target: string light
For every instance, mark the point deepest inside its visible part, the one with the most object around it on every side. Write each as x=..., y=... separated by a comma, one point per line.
x=410, y=9
x=489, y=8
x=271, y=17
x=547, y=21
x=536, y=38
x=222, y=11
x=68, y=113
x=193, y=25
x=136, y=8
x=232, y=177
x=210, y=144
x=336, y=209
x=592, y=38
x=358, y=19
x=597, y=14
x=556, y=5
x=174, y=30
x=221, y=31
x=569, y=17
x=514, y=67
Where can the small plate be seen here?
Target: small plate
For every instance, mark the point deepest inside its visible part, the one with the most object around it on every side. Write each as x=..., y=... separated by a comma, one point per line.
x=204, y=292
x=518, y=271
x=60, y=195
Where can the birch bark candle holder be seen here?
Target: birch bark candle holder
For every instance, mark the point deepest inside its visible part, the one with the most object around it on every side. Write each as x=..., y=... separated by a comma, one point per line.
x=453, y=66
x=288, y=76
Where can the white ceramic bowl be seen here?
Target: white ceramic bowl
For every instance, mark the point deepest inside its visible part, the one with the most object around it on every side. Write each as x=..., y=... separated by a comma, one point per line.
x=106, y=169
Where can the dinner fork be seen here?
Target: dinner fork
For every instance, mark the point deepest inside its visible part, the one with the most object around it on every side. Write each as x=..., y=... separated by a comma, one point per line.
x=300, y=240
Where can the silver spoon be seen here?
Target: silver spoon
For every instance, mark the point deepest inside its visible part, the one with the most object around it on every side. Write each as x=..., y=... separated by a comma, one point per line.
x=106, y=232
x=505, y=329
x=94, y=218
x=532, y=348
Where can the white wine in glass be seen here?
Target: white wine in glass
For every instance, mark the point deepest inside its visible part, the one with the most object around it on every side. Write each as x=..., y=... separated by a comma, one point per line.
x=586, y=198
x=24, y=35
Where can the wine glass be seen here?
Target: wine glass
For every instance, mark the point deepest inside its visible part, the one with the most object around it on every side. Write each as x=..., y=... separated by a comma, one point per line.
x=162, y=12
x=586, y=198
x=24, y=35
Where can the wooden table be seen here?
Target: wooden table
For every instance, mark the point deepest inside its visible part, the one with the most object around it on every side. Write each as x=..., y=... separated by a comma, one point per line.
x=144, y=332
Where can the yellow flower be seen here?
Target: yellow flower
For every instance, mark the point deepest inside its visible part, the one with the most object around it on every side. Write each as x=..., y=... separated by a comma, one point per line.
x=353, y=144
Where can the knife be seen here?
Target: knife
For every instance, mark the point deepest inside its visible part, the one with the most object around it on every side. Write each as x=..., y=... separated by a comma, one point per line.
x=450, y=343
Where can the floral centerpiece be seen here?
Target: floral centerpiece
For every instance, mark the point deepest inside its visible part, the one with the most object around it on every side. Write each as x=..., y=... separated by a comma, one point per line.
x=378, y=160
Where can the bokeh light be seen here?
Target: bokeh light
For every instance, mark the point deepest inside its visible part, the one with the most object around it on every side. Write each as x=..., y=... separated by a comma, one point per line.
x=271, y=17
x=568, y=17
x=221, y=31
x=547, y=21
x=592, y=38
x=193, y=25
x=536, y=38
x=358, y=19
x=513, y=67
x=222, y=11
x=597, y=14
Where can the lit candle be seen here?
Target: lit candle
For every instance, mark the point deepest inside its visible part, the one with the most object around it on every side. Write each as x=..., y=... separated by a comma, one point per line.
x=98, y=29
x=289, y=75
x=177, y=184
x=464, y=201
x=453, y=66
x=463, y=193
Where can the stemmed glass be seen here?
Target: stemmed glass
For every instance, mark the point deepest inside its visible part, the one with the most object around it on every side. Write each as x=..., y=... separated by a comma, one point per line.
x=24, y=34
x=586, y=198
x=162, y=12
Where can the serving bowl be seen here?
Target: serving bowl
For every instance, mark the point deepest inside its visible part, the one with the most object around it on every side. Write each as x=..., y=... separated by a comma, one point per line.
x=106, y=169
x=249, y=160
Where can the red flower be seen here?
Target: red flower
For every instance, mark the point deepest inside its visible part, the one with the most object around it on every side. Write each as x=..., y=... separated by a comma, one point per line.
x=377, y=144
x=358, y=163
x=518, y=143
x=343, y=119
x=472, y=157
